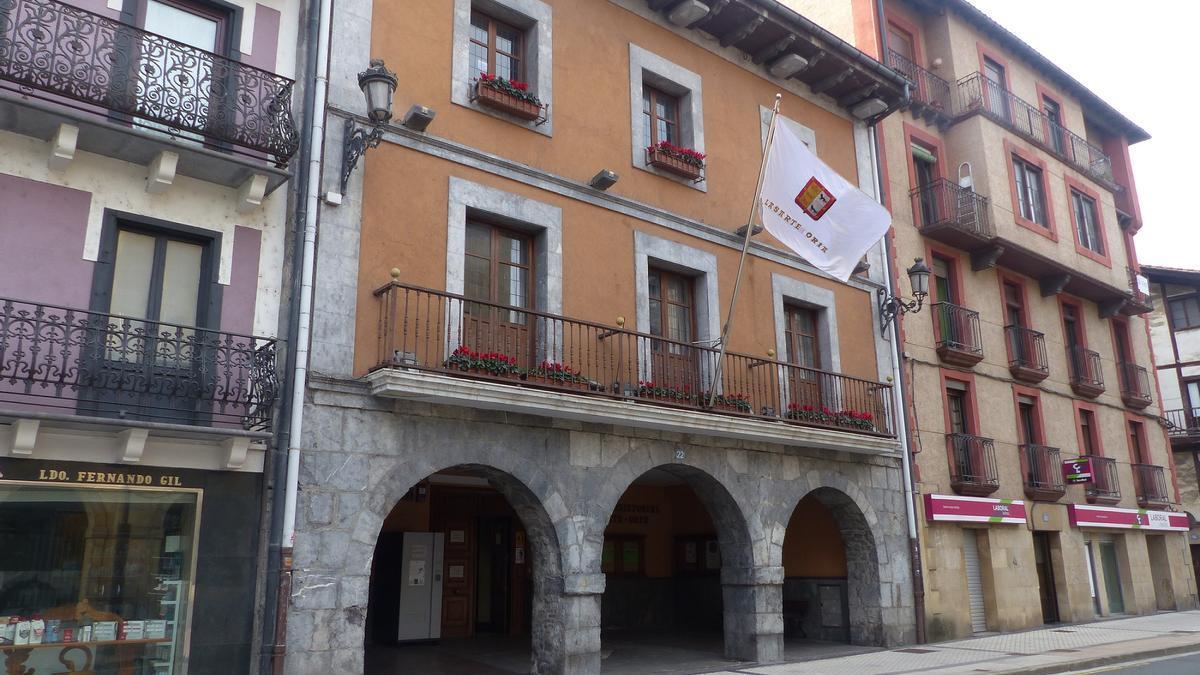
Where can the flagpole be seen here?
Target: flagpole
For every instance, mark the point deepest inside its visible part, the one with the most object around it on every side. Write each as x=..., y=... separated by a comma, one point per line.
x=737, y=280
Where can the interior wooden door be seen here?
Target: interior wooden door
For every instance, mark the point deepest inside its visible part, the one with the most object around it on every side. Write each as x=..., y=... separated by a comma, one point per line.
x=458, y=585
x=803, y=349
x=498, y=270
x=672, y=316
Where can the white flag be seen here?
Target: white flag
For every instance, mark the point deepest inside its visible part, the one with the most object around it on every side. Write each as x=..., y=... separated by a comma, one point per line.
x=814, y=211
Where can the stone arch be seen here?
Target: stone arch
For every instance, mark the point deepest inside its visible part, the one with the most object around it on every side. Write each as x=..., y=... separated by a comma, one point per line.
x=548, y=631
x=855, y=518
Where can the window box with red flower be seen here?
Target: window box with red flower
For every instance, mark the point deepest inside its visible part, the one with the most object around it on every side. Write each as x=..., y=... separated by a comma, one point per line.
x=680, y=161
x=738, y=403
x=511, y=97
x=554, y=374
x=494, y=364
x=852, y=419
x=658, y=392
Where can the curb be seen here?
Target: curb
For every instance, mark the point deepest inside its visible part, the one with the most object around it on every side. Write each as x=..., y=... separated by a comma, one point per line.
x=1099, y=661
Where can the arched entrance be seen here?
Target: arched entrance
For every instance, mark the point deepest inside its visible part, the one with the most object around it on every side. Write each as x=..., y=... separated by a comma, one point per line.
x=831, y=590
x=673, y=535
x=466, y=577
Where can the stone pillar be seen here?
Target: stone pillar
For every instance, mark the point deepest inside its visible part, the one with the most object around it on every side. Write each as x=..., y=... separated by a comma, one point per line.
x=581, y=623
x=753, y=602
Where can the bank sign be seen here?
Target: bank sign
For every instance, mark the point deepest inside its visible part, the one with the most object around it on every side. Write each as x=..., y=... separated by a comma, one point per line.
x=1078, y=470
x=1128, y=519
x=953, y=508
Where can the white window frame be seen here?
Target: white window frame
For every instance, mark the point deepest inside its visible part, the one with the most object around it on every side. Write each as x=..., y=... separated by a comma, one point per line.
x=650, y=251
x=647, y=68
x=535, y=19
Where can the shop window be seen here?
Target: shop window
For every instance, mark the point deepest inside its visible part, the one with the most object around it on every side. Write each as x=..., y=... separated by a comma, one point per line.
x=623, y=555
x=109, y=571
x=697, y=555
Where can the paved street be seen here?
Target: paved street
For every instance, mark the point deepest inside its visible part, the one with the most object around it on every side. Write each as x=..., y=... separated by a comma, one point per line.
x=1063, y=648
x=1186, y=664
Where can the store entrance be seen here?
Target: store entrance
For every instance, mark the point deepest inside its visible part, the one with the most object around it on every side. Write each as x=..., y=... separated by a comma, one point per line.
x=1044, y=559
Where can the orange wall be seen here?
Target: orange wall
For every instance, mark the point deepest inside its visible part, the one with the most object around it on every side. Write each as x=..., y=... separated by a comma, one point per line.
x=679, y=512
x=813, y=544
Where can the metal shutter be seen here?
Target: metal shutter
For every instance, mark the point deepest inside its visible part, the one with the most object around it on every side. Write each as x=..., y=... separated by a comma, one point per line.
x=974, y=581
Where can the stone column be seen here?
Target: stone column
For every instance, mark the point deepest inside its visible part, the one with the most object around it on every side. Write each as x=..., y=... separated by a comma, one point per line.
x=753, y=600
x=581, y=623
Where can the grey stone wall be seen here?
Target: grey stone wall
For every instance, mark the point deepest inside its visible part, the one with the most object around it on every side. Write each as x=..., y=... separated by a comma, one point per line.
x=564, y=478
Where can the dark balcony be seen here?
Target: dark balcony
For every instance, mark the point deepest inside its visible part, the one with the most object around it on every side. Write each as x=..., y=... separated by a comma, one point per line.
x=1150, y=481
x=952, y=215
x=975, y=94
x=1139, y=299
x=1105, y=488
x=1042, y=467
x=1183, y=424
x=113, y=75
x=956, y=330
x=972, y=464
x=56, y=359
x=1026, y=353
x=930, y=93
x=1087, y=379
x=428, y=330
x=1135, y=385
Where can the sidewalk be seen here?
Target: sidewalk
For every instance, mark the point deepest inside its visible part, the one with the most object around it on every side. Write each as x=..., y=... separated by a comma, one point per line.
x=1048, y=650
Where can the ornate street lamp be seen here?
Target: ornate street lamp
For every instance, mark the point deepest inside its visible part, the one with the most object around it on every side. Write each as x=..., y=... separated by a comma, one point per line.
x=378, y=84
x=891, y=306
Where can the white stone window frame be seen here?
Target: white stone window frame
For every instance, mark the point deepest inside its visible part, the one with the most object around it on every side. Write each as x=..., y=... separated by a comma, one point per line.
x=651, y=251
x=806, y=135
x=647, y=68
x=787, y=291
x=468, y=200
x=535, y=19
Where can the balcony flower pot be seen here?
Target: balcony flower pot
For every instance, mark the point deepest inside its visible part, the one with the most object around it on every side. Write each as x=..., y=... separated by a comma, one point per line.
x=511, y=97
x=735, y=403
x=683, y=162
x=553, y=374
x=491, y=364
x=665, y=394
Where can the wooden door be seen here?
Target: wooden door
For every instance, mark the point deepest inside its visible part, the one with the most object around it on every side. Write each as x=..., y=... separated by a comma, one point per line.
x=458, y=575
x=675, y=364
x=803, y=349
x=498, y=269
x=1045, y=572
x=995, y=89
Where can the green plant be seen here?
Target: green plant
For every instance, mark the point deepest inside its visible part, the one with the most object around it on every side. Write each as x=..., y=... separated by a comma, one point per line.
x=557, y=372
x=515, y=88
x=843, y=418
x=493, y=363
x=650, y=389
x=739, y=402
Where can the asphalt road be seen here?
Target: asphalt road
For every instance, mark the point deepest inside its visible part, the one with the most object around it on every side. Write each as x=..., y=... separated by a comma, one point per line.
x=1186, y=664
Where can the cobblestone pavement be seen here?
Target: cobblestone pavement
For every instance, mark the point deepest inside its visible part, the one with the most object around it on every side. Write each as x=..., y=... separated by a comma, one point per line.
x=1047, y=650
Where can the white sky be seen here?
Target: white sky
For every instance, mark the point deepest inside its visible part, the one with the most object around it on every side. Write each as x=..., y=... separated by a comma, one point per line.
x=1141, y=57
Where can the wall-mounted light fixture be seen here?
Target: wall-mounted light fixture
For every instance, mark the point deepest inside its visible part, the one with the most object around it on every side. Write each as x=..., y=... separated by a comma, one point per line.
x=604, y=179
x=891, y=306
x=687, y=13
x=378, y=84
x=418, y=117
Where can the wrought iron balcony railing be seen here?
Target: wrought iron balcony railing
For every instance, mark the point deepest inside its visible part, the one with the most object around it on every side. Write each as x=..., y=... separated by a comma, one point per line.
x=58, y=52
x=972, y=464
x=1042, y=466
x=1105, y=487
x=424, y=329
x=1087, y=379
x=956, y=331
x=88, y=363
x=1183, y=422
x=953, y=214
x=976, y=94
x=1135, y=385
x=1026, y=353
x=1151, y=484
x=929, y=92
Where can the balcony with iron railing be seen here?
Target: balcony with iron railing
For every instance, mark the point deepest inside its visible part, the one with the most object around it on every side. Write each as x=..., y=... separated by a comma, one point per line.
x=972, y=464
x=85, y=68
x=1042, y=468
x=975, y=94
x=1182, y=423
x=1087, y=378
x=1105, y=487
x=1139, y=296
x=1135, y=385
x=1150, y=481
x=1026, y=353
x=77, y=362
x=517, y=352
x=952, y=215
x=956, y=332
x=930, y=93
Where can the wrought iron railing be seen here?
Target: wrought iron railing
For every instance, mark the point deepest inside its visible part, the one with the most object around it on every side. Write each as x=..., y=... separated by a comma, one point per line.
x=944, y=204
x=1105, y=486
x=52, y=50
x=972, y=464
x=431, y=330
x=1151, y=484
x=977, y=94
x=927, y=89
x=1182, y=422
x=1134, y=287
x=56, y=358
x=1135, y=384
x=957, y=328
x=1027, y=350
x=1042, y=466
x=1086, y=374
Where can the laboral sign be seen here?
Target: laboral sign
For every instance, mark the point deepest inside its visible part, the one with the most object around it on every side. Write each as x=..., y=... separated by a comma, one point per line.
x=1083, y=515
x=952, y=508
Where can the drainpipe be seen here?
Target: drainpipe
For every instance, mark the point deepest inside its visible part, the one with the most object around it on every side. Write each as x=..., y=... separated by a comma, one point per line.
x=911, y=494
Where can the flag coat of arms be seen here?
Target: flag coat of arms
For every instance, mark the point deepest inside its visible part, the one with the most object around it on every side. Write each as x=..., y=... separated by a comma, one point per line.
x=814, y=211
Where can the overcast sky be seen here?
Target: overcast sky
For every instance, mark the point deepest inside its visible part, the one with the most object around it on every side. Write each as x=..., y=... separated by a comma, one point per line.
x=1141, y=57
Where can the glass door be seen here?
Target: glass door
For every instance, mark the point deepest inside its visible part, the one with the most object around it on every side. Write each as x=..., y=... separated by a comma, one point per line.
x=675, y=364
x=1112, y=577
x=498, y=270
x=996, y=89
x=178, y=85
